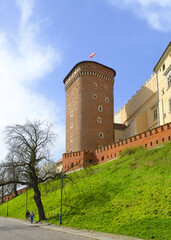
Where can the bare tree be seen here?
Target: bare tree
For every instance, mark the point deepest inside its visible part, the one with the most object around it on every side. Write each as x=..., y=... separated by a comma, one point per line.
x=12, y=173
x=29, y=146
x=2, y=179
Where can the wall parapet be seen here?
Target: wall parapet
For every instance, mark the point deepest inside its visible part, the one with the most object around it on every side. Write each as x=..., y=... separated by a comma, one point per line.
x=148, y=139
x=137, y=92
x=12, y=195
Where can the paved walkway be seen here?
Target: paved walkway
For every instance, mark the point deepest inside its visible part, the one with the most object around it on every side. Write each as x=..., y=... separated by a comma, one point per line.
x=79, y=232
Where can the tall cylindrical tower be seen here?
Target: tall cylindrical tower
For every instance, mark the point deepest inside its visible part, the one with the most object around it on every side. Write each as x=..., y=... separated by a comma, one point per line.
x=89, y=106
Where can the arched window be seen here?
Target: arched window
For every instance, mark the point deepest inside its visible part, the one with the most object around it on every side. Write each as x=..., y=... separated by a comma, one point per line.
x=169, y=80
x=99, y=119
x=101, y=135
x=100, y=108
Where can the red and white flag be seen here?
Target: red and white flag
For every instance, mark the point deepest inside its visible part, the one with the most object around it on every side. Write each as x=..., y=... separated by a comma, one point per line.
x=92, y=55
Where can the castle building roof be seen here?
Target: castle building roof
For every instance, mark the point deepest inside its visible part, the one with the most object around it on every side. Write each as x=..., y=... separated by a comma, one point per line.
x=119, y=126
x=162, y=58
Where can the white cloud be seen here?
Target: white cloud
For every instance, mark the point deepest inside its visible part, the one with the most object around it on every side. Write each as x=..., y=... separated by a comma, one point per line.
x=23, y=60
x=26, y=7
x=157, y=13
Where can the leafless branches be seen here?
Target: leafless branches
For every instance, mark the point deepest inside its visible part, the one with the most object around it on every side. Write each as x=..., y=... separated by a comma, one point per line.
x=28, y=161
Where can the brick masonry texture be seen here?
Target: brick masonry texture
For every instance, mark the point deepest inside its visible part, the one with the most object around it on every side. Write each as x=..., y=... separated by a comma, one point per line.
x=149, y=139
x=12, y=195
x=88, y=86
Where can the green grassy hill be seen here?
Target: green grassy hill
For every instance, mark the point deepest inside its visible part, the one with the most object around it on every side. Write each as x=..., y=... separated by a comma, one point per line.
x=129, y=196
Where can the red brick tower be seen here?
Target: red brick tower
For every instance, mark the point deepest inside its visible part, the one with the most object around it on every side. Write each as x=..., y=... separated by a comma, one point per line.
x=89, y=106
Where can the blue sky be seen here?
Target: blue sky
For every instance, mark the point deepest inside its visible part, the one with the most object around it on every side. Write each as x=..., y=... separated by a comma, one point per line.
x=41, y=40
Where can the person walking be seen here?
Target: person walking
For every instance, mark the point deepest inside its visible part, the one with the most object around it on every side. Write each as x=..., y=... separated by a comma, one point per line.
x=27, y=215
x=31, y=216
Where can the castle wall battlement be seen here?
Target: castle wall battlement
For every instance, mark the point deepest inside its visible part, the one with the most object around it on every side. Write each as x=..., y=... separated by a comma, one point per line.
x=137, y=92
x=12, y=195
x=149, y=139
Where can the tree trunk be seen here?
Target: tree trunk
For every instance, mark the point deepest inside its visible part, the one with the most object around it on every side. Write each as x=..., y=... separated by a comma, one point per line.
x=15, y=190
x=38, y=201
x=2, y=195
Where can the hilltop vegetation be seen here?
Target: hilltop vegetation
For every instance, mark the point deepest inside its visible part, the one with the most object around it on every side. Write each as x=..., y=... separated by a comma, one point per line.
x=129, y=196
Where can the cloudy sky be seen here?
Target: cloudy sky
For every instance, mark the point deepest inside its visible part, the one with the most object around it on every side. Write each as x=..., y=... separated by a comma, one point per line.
x=41, y=40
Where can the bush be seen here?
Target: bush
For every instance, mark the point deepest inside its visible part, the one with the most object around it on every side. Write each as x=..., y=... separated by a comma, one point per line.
x=130, y=151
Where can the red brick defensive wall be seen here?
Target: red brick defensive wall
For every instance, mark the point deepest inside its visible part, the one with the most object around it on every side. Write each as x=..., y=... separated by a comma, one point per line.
x=12, y=195
x=148, y=139
x=77, y=160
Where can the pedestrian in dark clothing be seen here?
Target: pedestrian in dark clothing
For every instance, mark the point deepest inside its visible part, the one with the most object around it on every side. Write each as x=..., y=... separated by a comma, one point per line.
x=27, y=215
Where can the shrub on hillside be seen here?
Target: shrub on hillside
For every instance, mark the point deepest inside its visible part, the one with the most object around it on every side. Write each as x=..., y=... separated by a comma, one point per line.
x=130, y=151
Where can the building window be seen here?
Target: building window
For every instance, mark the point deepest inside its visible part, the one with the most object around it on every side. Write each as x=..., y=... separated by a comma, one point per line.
x=94, y=96
x=71, y=125
x=99, y=120
x=68, y=106
x=100, y=108
x=105, y=88
x=101, y=135
x=71, y=139
x=75, y=99
x=162, y=91
x=95, y=84
x=163, y=66
x=106, y=99
x=71, y=114
x=170, y=105
x=155, y=114
x=169, y=81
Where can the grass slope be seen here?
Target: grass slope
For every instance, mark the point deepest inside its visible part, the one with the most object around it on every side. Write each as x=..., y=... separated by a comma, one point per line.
x=129, y=196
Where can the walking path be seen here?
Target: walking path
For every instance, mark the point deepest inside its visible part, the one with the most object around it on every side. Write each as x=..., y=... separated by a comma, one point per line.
x=79, y=232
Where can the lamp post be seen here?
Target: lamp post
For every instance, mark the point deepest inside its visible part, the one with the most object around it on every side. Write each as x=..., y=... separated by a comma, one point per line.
x=62, y=177
x=7, y=206
x=26, y=197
